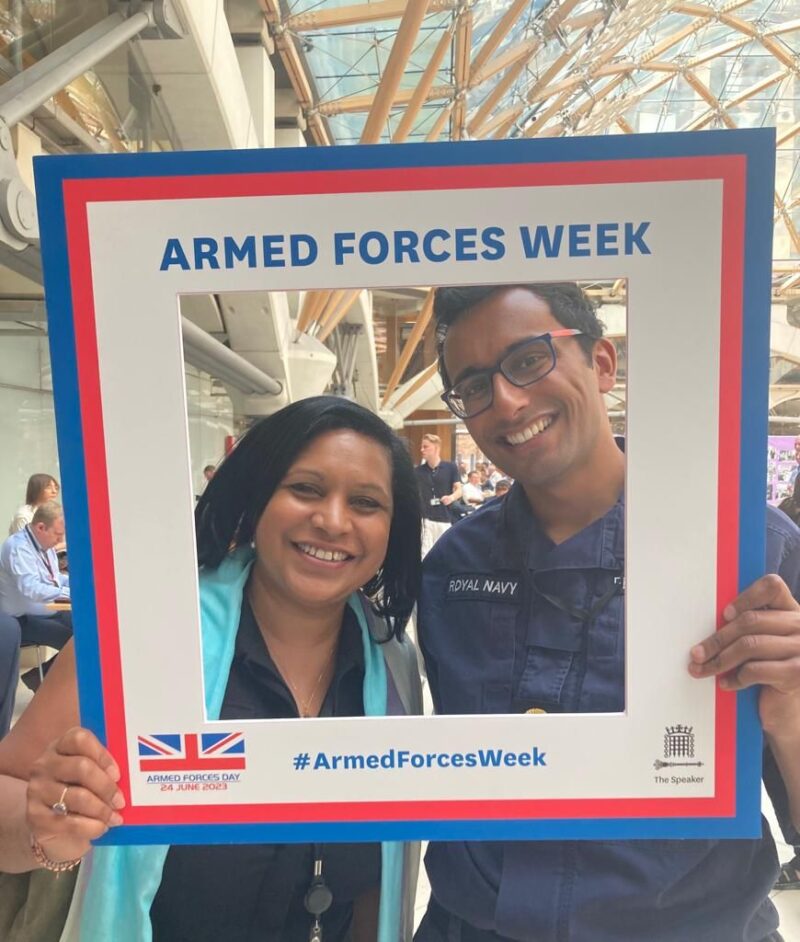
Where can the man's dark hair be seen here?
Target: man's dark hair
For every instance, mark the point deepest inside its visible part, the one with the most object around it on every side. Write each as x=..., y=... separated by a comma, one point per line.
x=230, y=507
x=568, y=303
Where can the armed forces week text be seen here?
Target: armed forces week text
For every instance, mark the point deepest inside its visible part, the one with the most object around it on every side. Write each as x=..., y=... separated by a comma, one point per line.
x=406, y=246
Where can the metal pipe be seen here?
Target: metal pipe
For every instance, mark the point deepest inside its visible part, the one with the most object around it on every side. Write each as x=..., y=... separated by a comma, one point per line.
x=214, y=357
x=35, y=85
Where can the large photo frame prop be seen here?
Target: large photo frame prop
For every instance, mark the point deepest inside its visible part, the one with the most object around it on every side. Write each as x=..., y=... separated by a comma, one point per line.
x=123, y=237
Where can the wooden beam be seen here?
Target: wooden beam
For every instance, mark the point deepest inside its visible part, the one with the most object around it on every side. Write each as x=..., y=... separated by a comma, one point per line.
x=793, y=131
x=694, y=82
x=759, y=86
x=523, y=50
x=497, y=35
x=402, y=47
x=511, y=114
x=347, y=302
x=290, y=57
x=329, y=307
x=584, y=20
x=543, y=117
x=463, y=50
x=422, y=377
x=312, y=303
x=784, y=56
x=488, y=104
x=357, y=13
x=355, y=103
x=624, y=126
x=420, y=94
x=422, y=321
x=436, y=130
x=324, y=17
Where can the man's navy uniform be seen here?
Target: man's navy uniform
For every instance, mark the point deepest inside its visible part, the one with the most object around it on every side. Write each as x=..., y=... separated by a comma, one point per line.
x=547, y=633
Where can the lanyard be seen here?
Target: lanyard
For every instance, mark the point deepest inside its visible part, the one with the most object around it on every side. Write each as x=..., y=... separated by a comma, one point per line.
x=616, y=586
x=318, y=896
x=42, y=555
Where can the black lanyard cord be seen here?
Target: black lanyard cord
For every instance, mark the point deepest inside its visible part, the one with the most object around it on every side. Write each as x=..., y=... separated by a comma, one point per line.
x=617, y=587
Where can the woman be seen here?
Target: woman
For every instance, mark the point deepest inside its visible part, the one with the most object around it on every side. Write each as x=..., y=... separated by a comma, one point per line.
x=41, y=488
x=310, y=533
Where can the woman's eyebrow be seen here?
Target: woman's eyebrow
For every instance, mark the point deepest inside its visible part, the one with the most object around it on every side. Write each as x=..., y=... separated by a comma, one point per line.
x=357, y=485
x=368, y=486
x=311, y=472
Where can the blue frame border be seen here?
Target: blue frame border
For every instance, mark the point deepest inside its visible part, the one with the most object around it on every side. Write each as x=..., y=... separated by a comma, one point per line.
x=757, y=146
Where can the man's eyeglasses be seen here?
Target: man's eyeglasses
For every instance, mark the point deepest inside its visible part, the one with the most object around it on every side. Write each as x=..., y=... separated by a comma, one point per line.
x=527, y=363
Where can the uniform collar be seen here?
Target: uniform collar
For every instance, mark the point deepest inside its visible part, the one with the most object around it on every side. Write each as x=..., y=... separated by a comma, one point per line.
x=520, y=542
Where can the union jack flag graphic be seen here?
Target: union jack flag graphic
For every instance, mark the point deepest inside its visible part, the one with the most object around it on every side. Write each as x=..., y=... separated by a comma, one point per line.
x=188, y=752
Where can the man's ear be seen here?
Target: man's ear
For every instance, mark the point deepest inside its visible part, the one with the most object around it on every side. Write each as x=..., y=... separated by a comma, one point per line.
x=604, y=358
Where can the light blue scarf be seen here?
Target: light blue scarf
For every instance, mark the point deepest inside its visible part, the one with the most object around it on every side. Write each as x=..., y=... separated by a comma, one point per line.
x=124, y=880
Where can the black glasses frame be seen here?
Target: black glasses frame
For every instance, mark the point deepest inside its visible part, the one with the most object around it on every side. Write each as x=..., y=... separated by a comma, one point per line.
x=501, y=367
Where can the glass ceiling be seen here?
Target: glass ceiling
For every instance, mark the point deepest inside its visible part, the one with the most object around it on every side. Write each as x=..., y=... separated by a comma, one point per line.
x=545, y=69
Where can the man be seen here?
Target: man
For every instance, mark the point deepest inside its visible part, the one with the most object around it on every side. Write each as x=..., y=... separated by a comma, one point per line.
x=526, y=368
x=502, y=487
x=30, y=578
x=493, y=475
x=208, y=472
x=472, y=491
x=439, y=485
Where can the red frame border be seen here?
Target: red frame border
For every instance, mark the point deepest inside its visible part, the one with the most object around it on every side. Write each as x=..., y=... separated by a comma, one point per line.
x=729, y=169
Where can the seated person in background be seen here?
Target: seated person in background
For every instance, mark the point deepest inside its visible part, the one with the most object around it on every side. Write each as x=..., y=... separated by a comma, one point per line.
x=486, y=485
x=30, y=578
x=503, y=486
x=9, y=668
x=471, y=491
x=41, y=488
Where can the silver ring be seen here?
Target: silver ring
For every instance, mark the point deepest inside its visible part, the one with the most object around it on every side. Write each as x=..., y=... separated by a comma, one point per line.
x=59, y=807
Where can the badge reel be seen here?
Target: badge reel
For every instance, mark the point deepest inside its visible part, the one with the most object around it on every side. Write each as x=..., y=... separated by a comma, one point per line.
x=318, y=897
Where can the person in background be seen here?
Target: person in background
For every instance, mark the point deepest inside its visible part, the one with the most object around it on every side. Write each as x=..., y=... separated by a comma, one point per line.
x=486, y=485
x=41, y=488
x=471, y=491
x=439, y=485
x=502, y=487
x=31, y=579
x=791, y=505
x=208, y=472
x=9, y=669
x=308, y=541
x=493, y=475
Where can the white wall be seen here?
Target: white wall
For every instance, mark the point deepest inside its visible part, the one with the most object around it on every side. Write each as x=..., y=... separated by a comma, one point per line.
x=210, y=420
x=27, y=421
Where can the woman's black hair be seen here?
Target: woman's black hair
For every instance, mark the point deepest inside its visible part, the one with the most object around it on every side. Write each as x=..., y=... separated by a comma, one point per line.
x=230, y=507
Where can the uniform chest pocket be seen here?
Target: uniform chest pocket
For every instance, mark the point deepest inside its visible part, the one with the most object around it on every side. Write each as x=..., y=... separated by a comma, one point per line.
x=548, y=680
